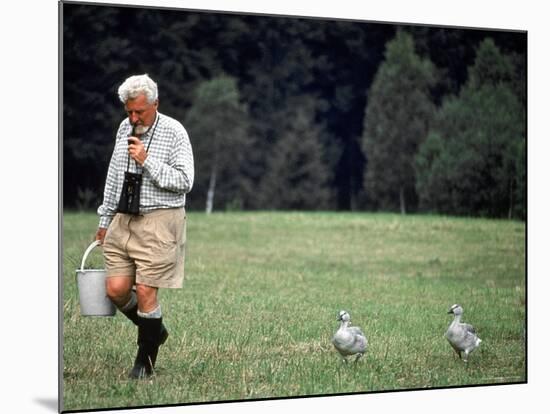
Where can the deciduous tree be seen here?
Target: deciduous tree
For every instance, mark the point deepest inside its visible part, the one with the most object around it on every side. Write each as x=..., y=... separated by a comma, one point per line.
x=219, y=122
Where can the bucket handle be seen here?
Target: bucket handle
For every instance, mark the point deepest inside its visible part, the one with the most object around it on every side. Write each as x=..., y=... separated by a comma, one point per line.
x=87, y=252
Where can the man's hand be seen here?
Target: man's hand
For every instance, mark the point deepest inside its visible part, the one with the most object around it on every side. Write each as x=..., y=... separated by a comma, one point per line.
x=100, y=235
x=136, y=150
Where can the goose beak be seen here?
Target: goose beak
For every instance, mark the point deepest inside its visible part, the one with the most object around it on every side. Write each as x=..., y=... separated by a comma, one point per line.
x=450, y=311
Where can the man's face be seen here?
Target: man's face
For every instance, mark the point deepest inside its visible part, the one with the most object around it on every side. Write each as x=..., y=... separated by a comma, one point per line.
x=140, y=112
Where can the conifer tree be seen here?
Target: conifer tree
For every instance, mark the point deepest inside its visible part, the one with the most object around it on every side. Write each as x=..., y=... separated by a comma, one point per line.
x=296, y=176
x=397, y=117
x=473, y=160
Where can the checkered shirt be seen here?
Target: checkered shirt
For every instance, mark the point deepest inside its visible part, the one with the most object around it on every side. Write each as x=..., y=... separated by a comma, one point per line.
x=168, y=171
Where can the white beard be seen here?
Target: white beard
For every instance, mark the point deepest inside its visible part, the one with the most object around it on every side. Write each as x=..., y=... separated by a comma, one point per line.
x=141, y=129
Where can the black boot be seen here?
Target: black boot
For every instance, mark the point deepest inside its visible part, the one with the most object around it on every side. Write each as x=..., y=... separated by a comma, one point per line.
x=151, y=334
x=133, y=316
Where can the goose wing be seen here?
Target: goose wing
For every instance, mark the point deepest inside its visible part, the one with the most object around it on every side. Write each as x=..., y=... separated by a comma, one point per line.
x=360, y=343
x=360, y=340
x=469, y=328
x=356, y=331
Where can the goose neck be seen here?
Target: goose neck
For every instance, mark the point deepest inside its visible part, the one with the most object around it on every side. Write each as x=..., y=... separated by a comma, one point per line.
x=344, y=324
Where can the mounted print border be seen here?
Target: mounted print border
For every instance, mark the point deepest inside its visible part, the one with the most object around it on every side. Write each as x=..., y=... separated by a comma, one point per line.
x=373, y=167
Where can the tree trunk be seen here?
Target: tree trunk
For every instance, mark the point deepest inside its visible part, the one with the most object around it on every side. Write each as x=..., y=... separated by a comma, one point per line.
x=402, y=200
x=511, y=195
x=211, y=190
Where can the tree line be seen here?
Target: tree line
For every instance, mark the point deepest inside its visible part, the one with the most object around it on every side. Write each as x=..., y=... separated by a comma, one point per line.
x=306, y=114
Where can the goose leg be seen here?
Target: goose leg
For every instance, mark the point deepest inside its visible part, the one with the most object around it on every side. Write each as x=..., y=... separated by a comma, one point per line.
x=357, y=357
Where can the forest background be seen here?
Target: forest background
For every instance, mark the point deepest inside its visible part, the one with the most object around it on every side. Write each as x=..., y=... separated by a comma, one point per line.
x=306, y=113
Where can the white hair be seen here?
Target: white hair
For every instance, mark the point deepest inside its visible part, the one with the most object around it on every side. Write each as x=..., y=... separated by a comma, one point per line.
x=136, y=85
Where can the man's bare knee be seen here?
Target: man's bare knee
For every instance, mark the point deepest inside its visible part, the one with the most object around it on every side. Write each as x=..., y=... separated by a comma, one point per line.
x=118, y=289
x=147, y=297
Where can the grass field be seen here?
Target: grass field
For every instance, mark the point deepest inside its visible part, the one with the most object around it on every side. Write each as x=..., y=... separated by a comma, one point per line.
x=262, y=292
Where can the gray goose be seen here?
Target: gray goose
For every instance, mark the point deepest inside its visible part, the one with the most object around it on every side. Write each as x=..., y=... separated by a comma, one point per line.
x=349, y=340
x=462, y=336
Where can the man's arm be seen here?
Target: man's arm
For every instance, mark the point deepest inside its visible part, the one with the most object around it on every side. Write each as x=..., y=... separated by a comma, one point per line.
x=108, y=208
x=178, y=174
x=100, y=235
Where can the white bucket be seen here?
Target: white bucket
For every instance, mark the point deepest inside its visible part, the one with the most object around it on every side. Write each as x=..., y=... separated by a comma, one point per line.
x=91, y=289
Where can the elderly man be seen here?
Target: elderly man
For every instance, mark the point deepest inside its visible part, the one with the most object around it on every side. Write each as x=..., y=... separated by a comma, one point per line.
x=142, y=222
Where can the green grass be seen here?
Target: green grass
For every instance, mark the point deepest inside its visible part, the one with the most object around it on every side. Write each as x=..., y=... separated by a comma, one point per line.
x=259, y=304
